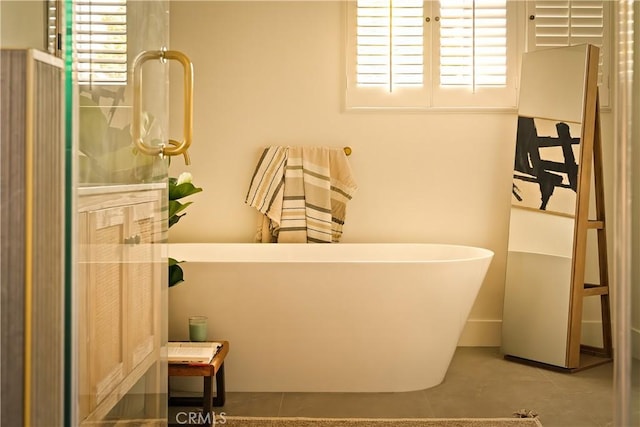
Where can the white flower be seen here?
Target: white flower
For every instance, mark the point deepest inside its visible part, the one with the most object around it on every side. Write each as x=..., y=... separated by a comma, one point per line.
x=184, y=178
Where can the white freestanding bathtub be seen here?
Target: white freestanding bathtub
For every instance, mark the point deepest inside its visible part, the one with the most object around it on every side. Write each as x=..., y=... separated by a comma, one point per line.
x=329, y=317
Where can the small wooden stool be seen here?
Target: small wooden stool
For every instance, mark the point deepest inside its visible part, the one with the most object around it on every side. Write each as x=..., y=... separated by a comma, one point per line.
x=208, y=371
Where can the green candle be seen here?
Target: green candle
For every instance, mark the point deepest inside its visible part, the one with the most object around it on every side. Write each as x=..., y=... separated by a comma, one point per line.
x=198, y=328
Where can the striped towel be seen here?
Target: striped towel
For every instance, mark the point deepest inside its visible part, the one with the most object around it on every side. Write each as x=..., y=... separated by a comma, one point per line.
x=316, y=185
x=306, y=210
x=266, y=191
x=343, y=188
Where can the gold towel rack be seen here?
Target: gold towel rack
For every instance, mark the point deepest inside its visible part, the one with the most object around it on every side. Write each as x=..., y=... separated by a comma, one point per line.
x=347, y=150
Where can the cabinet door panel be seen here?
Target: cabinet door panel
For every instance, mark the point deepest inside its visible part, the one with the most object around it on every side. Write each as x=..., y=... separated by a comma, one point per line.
x=107, y=319
x=142, y=290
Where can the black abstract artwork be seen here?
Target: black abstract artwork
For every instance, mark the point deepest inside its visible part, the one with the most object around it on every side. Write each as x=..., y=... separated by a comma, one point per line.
x=545, y=168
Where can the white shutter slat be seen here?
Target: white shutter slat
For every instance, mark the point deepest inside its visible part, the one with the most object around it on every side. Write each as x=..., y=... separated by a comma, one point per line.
x=52, y=28
x=100, y=39
x=407, y=43
x=473, y=42
x=372, y=43
x=389, y=43
x=570, y=19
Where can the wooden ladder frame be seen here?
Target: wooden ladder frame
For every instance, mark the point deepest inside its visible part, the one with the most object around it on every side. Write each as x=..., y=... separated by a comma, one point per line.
x=581, y=356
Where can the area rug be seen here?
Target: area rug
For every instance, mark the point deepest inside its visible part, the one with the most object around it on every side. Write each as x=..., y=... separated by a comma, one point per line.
x=378, y=422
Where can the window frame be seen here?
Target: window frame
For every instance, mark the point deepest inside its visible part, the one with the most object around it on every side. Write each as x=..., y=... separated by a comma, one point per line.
x=431, y=95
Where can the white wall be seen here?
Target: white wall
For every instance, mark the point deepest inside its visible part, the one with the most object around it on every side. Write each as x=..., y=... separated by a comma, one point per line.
x=273, y=73
x=22, y=24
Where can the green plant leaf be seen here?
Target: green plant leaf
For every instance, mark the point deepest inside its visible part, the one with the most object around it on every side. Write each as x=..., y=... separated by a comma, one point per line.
x=176, y=207
x=176, y=274
x=173, y=261
x=176, y=191
x=174, y=219
x=183, y=190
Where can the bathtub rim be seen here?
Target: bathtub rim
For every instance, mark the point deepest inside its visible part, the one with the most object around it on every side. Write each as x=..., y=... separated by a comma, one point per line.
x=290, y=253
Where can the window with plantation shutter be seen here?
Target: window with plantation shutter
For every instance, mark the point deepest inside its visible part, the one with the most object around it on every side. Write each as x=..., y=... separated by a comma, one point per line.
x=557, y=23
x=415, y=54
x=101, y=41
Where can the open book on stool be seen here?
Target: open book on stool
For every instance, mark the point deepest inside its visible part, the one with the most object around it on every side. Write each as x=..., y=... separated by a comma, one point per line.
x=192, y=352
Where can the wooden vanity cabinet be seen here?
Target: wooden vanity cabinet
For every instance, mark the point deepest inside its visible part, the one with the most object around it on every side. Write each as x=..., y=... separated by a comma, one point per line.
x=120, y=279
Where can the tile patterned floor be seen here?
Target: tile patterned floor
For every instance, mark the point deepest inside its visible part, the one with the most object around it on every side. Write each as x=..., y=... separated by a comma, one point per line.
x=478, y=384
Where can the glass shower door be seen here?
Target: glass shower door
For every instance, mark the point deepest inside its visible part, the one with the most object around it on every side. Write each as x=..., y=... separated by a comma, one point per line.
x=118, y=148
